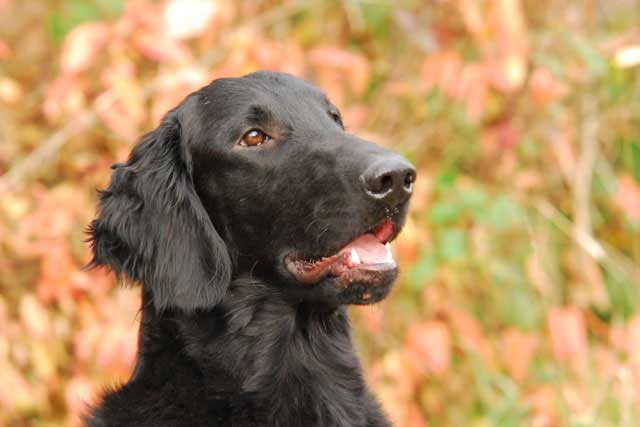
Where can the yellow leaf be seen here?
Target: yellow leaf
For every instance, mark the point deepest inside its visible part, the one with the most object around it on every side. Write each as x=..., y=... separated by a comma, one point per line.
x=34, y=317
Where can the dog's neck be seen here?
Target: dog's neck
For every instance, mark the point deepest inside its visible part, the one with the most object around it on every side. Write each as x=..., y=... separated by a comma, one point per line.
x=285, y=356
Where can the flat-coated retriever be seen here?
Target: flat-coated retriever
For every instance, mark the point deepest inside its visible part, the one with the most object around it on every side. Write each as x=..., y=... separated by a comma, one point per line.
x=251, y=219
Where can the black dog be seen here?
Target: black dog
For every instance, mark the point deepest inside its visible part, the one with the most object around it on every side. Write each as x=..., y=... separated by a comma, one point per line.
x=251, y=218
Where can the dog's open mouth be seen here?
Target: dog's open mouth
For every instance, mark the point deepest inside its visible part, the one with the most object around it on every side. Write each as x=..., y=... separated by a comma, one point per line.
x=368, y=252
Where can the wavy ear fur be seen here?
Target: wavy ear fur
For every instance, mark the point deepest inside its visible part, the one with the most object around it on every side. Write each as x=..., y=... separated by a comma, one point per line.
x=152, y=227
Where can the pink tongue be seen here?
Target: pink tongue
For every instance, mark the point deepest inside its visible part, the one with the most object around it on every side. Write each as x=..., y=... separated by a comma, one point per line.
x=369, y=249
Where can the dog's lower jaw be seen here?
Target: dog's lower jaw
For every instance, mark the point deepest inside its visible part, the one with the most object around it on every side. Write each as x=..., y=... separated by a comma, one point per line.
x=267, y=361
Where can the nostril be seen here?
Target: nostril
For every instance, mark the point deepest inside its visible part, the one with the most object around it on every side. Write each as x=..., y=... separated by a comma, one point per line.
x=389, y=180
x=409, y=179
x=386, y=183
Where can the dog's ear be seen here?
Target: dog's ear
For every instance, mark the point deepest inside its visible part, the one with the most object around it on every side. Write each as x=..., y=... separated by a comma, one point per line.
x=152, y=227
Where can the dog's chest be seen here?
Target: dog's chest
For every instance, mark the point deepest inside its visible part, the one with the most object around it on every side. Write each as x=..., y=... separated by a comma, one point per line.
x=290, y=410
x=304, y=380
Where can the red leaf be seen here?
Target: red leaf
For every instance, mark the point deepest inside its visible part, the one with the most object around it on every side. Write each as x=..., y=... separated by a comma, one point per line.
x=161, y=48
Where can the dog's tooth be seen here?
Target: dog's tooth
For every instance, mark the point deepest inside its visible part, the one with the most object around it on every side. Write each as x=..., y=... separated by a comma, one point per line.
x=389, y=258
x=355, y=258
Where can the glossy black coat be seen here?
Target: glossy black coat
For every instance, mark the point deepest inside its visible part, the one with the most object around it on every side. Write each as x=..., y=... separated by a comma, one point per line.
x=228, y=337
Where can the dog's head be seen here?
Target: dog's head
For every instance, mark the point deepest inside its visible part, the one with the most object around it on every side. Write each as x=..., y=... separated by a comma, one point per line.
x=254, y=175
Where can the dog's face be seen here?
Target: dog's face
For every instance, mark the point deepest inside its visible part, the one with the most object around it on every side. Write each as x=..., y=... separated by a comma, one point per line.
x=289, y=196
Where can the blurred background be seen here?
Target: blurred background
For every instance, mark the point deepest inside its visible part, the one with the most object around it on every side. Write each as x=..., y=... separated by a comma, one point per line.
x=518, y=299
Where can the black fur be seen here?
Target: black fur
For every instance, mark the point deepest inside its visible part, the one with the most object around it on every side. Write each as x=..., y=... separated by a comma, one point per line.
x=228, y=336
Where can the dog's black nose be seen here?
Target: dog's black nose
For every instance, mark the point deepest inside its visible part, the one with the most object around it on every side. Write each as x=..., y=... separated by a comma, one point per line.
x=389, y=180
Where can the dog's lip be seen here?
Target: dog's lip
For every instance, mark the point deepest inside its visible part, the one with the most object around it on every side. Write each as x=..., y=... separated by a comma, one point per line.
x=369, y=251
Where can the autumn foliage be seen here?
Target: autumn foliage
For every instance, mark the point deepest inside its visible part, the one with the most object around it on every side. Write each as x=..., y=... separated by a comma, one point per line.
x=518, y=298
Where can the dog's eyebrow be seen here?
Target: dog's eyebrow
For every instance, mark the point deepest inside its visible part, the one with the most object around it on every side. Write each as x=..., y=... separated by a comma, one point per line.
x=259, y=114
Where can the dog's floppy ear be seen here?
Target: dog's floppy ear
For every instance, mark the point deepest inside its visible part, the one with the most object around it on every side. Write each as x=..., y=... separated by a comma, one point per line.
x=152, y=227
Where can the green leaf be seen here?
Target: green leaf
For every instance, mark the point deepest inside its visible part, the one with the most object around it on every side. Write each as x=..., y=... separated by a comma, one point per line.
x=423, y=270
x=503, y=213
x=115, y=7
x=377, y=18
x=443, y=213
x=623, y=295
x=452, y=245
x=594, y=61
x=57, y=27
x=73, y=13
x=447, y=178
x=635, y=161
x=473, y=198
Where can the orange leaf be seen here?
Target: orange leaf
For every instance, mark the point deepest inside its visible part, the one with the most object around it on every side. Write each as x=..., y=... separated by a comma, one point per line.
x=538, y=276
x=79, y=392
x=127, y=112
x=64, y=96
x=56, y=269
x=511, y=39
x=414, y=417
x=568, y=334
x=5, y=50
x=517, y=351
x=431, y=342
x=544, y=87
x=543, y=401
x=173, y=87
x=271, y=55
x=15, y=390
x=470, y=334
x=372, y=318
x=467, y=83
x=473, y=89
x=353, y=68
x=473, y=18
x=627, y=198
x=564, y=149
x=117, y=347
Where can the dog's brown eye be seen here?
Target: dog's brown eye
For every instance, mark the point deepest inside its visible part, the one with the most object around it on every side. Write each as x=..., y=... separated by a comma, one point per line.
x=254, y=138
x=336, y=118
